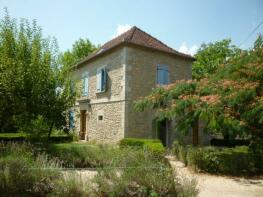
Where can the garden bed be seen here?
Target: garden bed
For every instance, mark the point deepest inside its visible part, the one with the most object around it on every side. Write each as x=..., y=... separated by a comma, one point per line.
x=39, y=174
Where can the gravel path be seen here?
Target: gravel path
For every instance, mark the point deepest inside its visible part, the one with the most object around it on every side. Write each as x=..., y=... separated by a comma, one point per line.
x=220, y=186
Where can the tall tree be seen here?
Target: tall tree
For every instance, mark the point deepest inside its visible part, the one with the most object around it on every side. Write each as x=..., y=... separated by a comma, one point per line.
x=80, y=49
x=210, y=56
x=32, y=82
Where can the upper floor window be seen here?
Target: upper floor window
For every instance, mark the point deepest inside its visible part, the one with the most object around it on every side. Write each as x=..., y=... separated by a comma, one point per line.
x=162, y=75
x=85, y=84
x=101, y=79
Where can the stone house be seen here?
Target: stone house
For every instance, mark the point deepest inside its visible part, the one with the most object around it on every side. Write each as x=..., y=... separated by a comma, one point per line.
x=113, y=77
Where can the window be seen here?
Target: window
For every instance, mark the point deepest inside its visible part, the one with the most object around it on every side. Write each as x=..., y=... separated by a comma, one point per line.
x=100, y=117
x=85, y=84
x=162, y=75
x=101, y=80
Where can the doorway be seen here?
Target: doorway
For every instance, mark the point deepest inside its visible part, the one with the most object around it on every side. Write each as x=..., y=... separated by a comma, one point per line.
x=161, y=130
x=82, y=132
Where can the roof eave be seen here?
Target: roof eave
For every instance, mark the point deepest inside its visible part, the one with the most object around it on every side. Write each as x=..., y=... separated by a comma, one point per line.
x=87, y=59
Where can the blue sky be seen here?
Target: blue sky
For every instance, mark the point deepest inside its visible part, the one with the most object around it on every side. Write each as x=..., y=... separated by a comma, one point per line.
x=183, y=25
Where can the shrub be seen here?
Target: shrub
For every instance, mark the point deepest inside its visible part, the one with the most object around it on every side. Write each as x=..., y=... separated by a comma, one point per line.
x=229, y=143
x=233, y=161
x=22, y=173
x=153, y=145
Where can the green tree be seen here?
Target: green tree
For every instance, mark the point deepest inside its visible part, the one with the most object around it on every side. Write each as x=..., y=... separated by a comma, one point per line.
x=32, y=83
x=210, y=56
x=80, y=49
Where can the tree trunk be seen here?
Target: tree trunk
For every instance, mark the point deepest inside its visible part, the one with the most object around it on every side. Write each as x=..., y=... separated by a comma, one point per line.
x=195, y=128
x=50, y=130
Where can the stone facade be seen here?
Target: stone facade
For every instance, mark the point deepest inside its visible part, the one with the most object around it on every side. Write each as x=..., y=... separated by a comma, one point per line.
x=108, y=104
x=142, y=78
x=132, y=73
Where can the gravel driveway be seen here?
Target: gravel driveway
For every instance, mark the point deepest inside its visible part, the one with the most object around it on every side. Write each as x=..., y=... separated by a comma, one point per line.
x=220, y=186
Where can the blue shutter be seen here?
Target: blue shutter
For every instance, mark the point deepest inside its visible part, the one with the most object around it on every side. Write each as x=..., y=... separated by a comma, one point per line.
x=104, y=79
x=85, y=84
x=71, y=119
x=99, y=81
x=162, y=74
x=159, y=75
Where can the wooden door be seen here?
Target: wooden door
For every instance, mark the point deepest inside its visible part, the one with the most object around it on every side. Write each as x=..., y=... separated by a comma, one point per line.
x=82, y=132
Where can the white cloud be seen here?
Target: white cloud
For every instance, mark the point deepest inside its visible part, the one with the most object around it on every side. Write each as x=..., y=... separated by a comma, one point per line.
x=121, y=29
x=188, y=50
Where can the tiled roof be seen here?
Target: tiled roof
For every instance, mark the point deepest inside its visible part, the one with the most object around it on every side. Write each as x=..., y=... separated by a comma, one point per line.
x=138, y=37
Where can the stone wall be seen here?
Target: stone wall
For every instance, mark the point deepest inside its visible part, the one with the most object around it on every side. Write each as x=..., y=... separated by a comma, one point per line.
x=141, y=71
x=110, y=129
x=109, y=104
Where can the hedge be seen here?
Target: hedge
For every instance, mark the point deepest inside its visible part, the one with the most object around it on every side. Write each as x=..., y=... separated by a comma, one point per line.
x=152, y=145
x=231, y=161
x=229, y=143
x=21, y=137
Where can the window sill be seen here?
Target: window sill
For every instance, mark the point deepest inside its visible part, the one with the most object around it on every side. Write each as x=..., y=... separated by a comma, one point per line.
x=83, y=99
x=101, y=92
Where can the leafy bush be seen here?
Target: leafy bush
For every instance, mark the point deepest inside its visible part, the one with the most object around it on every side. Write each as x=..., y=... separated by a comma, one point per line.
x=233, y=161
x=229, y=143
x=23, y=173
x=153, y=145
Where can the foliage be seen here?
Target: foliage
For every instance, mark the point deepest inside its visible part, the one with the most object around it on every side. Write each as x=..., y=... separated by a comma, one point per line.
x=80, y=49
x=71, y=186
x=228, y=102
x=17, y=137
x=234, y=161
x=32, y=85
x=90, y=155
x=22, y=137
x=229, y=142
x=119, y=169
x=210, y=56
x=23, y=173
x=152, y=145
x=118, y=173
x=157, y=180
